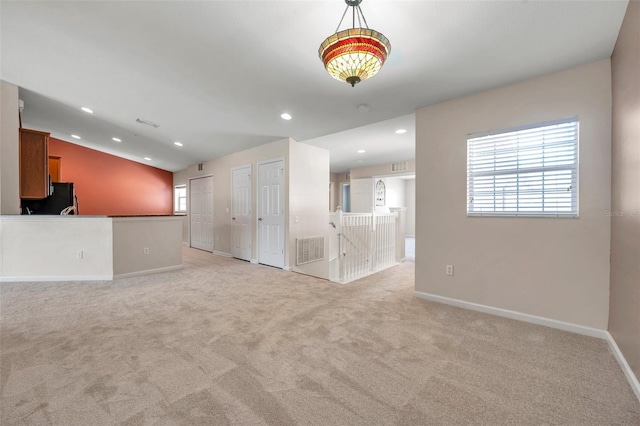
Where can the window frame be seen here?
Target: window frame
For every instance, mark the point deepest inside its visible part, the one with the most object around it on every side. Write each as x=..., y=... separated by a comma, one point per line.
x=177, y=198
x=521, y=172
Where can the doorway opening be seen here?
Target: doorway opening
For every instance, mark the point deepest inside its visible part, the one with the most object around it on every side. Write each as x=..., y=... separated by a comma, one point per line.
x=346, y=197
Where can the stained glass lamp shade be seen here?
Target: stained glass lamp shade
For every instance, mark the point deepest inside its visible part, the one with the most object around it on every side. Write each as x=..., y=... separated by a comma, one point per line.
x=354, y=54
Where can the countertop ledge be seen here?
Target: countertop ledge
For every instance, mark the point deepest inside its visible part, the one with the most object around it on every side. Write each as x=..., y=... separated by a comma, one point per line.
x=64, y=217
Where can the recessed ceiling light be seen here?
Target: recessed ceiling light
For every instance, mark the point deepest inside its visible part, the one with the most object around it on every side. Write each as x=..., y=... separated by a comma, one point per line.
x=177, y=143
x=285, y=116
x=361, y=151
x=401, y=131
x=147, y=158
x=85, y=109
x=117, y=139
x=76, y=137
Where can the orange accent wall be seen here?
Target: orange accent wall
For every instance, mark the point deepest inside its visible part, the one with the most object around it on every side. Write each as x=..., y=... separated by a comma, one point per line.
x=110, y=185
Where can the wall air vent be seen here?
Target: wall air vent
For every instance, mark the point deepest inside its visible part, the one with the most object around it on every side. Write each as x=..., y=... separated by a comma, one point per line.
x=310, y=249
x=399, y=167
x=148, y=123
x=200, y=167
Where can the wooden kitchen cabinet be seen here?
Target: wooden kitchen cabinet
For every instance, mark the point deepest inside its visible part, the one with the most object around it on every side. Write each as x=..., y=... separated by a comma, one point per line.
x=34, y=164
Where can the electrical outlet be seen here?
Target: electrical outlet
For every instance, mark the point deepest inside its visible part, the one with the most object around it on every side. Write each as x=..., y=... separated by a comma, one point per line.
x=145, y=250
x=449, y=270
x=80, y=254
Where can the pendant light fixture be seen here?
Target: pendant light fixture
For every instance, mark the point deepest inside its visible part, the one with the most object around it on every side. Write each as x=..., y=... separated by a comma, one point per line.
x=357, y=53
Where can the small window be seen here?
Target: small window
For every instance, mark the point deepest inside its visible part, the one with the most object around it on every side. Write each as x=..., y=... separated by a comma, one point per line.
x=180, y=199
x=525, y=171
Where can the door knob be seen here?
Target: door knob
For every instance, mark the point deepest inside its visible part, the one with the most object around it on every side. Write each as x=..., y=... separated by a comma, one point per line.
x=233, y=218
x=260, y=219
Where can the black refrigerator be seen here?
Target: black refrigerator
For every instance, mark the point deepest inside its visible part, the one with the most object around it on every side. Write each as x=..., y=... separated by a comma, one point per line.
x=63, y=196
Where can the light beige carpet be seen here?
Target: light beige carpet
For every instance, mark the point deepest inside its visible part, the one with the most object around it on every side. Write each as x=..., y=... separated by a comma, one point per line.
x=226, y=342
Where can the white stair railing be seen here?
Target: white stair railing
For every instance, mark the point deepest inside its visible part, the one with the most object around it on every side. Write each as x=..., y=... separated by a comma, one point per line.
x=366, y=243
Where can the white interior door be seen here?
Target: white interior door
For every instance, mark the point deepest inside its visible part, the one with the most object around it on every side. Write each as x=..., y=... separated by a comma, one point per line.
x=271, y=213
x=201, y=213
x=241, y=228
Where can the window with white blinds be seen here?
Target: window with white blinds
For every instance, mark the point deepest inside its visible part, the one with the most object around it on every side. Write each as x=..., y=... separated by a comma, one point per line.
x=525, y=171
x=180, y=199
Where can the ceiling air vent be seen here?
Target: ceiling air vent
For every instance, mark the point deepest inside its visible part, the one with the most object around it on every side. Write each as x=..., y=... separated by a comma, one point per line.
x=309, y=250
x=399, y=167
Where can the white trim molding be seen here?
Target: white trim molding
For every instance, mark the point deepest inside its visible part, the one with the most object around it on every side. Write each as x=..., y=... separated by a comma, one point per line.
x=42, y=278
x=148, y=271
x=222, y=253
x=533, y=319
x=626, y=369
x=547, y=322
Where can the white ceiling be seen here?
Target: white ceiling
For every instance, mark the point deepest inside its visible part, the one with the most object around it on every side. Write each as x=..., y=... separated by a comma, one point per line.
x=216, y=75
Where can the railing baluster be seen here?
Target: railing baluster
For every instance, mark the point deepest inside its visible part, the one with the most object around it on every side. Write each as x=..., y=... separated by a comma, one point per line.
x=367, y=243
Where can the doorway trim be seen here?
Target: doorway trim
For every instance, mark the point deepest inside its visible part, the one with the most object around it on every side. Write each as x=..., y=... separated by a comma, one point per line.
x=251, y=207
x=285, y=206
x=189, y=209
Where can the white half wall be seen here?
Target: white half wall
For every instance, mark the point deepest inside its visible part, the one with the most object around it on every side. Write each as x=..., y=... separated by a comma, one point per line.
x=84, y=248
x=161, y=235
x=548, y=267
x=46, y=248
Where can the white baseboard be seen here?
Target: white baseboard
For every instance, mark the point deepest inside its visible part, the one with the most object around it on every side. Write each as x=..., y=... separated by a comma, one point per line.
x=42, y=278
x=287, y=268
x=222, y=253
x=254, y=261
x=626, y=369
x=547, y=322
x=148, y=271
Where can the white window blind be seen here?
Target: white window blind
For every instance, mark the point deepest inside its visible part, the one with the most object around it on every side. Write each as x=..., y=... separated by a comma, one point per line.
x=525, y=171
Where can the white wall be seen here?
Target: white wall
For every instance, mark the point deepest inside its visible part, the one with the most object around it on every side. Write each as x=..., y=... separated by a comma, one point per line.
x=161, y=235
x=306, y=178
x=395, y=191
x=221, y=170
x=624, y=315
x=410, y=200
x=381, y=170
x=309, y=203
x=554, y=268
x=361, y=195
x=46, y=248
x=9, y=162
